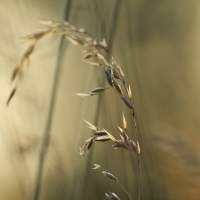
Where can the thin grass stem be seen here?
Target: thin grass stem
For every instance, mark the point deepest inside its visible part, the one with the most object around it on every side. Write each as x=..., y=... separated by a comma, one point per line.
x=47, y=134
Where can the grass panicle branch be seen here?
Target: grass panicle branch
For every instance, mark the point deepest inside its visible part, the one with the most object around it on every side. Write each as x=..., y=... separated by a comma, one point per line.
x=109, y=195
x=92, y=47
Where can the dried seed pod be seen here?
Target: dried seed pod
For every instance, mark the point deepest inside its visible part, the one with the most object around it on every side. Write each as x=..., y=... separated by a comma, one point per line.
x=119, y=144
x=108, y=76
x=100, y=133
x=133, y=145
x=124, y=136
x=90, y=142
x=102, y=138
x=83, y=149
x=117, y=87
x=99, y=89
x=127, y=102
x=116, y=74
x=109, y=175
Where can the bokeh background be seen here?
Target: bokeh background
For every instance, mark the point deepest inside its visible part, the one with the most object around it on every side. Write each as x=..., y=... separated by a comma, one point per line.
x=157, y=44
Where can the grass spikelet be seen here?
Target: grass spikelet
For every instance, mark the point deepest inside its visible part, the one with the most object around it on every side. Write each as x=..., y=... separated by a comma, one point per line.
x=124, y=121
x=100, y=133
x=129, y=92
x=99, y=89
x=108, y=76
x=83, y=94
x=102, y=138
x=127, y=102
x=124, y=136
x=111, y=196
x=109, y=175
x=133, y=145
x=117, y=87
x=120, y=144
x=91, y=126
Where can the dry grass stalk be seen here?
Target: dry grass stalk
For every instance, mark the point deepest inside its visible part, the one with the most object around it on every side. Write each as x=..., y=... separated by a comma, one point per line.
x=113, y=73
x=77, y=35
x=102, y=135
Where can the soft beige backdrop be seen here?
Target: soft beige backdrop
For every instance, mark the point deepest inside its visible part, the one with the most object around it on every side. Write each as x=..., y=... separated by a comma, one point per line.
x=157, y=44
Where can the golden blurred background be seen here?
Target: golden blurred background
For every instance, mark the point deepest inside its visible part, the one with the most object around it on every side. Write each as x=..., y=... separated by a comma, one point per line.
x=157, y=45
